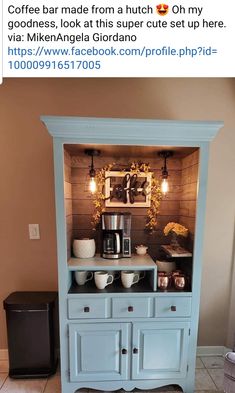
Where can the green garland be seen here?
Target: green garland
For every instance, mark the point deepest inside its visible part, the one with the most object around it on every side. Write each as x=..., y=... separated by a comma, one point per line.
x=156, y=194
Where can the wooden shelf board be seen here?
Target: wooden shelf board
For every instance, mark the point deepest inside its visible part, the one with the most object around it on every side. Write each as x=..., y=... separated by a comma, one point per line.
x=138, y=262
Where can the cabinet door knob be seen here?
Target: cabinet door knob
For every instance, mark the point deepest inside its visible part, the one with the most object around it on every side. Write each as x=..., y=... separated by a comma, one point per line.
x=130, y=309
x=124, y=351
x=86, y=309
x=173, y=308
x=135, y=350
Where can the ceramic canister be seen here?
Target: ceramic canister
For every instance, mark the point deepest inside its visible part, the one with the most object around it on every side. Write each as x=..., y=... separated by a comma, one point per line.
x=84, y=248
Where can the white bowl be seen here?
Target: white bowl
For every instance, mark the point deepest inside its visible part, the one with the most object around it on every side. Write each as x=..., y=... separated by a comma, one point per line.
x=165, y=266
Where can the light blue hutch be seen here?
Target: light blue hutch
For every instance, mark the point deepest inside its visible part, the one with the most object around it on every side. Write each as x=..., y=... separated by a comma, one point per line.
x=145, y=338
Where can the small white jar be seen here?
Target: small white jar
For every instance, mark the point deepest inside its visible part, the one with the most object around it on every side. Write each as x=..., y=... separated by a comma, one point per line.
x=141, y=250
x=84, y=248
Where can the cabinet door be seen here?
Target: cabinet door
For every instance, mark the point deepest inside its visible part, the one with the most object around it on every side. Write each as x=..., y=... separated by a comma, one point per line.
x=98, y=352
x=159, y=350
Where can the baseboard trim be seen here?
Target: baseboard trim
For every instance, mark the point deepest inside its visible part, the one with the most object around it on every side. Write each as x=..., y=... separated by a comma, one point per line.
x=212, y=350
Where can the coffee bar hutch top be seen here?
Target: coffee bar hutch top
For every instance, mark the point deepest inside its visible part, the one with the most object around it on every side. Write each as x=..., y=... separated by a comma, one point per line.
x=144, y=336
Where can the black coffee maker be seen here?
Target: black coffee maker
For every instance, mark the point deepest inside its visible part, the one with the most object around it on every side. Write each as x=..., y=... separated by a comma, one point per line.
x=116, y=241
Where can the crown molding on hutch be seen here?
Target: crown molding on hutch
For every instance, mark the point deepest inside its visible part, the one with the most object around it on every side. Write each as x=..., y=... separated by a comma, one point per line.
x=140, y=130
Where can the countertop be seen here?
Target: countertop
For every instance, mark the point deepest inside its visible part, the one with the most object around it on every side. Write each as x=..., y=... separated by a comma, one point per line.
x=141, y=262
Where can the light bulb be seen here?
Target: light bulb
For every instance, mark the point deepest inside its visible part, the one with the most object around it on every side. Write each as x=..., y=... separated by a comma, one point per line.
x=92, y=185
x=164, y=186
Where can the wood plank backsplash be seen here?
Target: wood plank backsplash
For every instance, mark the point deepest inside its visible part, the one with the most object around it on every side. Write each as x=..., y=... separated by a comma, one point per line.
x=68, y=200
x=179, y=205
x=188, y=201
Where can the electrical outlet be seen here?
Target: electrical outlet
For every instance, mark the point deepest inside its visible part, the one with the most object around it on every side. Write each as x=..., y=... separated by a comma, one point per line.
x=34, y=233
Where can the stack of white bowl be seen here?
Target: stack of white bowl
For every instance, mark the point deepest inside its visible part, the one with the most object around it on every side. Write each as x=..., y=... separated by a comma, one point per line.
x=165, y=266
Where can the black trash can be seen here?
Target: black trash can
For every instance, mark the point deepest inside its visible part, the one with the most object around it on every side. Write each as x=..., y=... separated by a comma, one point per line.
x=32, y=332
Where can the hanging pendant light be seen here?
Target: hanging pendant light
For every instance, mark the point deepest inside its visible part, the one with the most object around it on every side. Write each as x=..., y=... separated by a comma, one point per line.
x=92, y=183
x=164, y=185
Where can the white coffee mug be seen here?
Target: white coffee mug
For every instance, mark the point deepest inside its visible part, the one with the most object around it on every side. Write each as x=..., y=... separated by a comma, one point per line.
x=102, y=279
x=81, y=277
x=129, y=278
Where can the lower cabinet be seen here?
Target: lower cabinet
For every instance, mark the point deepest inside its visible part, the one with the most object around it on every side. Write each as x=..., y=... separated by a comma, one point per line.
x=98, y=352
x=159, y=350
x=121, y=351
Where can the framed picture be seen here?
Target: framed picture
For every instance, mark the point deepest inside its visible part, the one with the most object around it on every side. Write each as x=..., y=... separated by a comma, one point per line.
x=127, y=189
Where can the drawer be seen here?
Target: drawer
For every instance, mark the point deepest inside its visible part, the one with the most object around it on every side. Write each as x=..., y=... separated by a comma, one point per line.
x=88, y=308
x=132, y=307
x=172, y=306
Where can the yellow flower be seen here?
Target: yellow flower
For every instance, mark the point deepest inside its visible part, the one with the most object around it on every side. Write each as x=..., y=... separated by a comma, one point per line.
x=177, y=228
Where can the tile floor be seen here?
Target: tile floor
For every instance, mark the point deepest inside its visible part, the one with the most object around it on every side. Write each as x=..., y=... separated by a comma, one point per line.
x=209, y=379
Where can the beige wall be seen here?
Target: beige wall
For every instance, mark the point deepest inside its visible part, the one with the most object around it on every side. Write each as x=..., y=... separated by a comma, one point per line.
x=27, y=189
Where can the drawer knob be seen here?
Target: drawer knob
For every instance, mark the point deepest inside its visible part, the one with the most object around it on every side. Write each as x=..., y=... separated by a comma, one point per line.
x=130, y=309
x=173, y=308
x=124, y=351
x=86, y=309
x=135, y=350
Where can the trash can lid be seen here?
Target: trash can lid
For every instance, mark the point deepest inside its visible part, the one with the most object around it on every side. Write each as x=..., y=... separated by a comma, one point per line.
x=30, y=300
